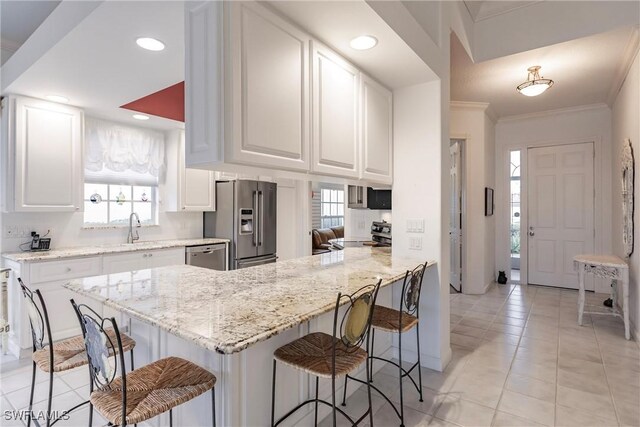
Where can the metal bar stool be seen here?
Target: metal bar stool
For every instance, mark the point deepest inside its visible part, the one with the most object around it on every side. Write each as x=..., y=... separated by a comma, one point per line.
x=51, y=356
x=329, y=356
x=398, y=321
x=143, y=393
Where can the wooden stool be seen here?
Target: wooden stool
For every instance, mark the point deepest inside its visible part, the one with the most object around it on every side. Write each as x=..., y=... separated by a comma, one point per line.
x=329, y=356
x=59, y=356
x=608, y=267
x=143, y=393
x=399, y=321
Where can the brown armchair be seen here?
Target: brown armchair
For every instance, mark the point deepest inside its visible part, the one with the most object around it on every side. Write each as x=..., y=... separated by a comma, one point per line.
x=321, y=236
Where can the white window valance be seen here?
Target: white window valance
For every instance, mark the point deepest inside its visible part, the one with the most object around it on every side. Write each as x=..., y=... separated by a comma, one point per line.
x=117, y=152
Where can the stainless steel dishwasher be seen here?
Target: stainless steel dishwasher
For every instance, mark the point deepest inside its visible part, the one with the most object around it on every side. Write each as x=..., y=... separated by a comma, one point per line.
x=213, y=256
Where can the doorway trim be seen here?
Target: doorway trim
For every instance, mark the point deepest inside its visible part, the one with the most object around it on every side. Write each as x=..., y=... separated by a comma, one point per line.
x=465, y=138
x=503, y=227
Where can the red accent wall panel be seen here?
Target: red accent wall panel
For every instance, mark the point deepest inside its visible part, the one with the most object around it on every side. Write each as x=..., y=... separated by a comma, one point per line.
x=167, y=103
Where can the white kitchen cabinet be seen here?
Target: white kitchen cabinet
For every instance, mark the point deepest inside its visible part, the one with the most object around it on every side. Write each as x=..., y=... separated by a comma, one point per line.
x=377, y=131
x=270, y=89
x=258, y=113
x=186, y=189
x=43, y=156
x=335, y=105
x=140, y=260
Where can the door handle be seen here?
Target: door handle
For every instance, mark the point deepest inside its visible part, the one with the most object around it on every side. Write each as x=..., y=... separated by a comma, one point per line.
x=261, y=199
x=531, y=233
x=255, y=218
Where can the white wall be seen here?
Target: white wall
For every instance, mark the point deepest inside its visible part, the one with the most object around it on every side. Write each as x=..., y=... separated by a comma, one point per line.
x=418, y=194
x=626, y=124
x=580, y=124
x=357, y=222
x=469, y=121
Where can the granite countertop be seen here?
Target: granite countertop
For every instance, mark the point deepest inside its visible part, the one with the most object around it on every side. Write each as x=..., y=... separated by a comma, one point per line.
x=83, y=251
x=228, y=311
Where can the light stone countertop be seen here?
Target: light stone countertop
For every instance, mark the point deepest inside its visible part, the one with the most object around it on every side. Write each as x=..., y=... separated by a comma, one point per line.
x=228, y=311
x=84, y=251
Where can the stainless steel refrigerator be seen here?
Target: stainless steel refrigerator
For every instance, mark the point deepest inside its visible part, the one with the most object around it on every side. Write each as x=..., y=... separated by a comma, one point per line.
x=245, y=214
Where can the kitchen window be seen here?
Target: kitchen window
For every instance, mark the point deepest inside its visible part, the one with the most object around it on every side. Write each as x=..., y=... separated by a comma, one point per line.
x=112, y=204
x=331, y=208
x=122, y=168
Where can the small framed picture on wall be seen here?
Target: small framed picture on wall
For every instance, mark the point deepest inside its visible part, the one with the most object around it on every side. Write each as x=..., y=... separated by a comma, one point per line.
x=488, y=201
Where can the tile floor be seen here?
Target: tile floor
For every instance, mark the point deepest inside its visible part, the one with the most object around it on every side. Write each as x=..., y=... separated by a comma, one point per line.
x=519, y=359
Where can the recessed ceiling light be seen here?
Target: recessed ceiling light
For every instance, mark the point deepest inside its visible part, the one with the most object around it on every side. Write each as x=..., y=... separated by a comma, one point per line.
x=150, y=43
x=57, y=98
x=363, y=42
x=140, y=117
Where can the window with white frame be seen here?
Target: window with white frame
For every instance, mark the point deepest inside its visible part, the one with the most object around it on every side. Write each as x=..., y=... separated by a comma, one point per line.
x=331, y=207
x=122, y=166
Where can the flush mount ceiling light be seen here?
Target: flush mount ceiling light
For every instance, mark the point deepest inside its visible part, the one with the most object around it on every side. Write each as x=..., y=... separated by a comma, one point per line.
x=535, y=84
x=150, y=43
x=140, y=117
x=57, y=98
x=363, y=42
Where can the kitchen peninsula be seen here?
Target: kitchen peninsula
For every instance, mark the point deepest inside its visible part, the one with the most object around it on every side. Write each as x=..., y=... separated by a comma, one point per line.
x=231, y=322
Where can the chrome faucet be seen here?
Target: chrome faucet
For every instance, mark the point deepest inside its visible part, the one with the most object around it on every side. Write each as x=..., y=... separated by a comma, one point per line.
x=131, y=238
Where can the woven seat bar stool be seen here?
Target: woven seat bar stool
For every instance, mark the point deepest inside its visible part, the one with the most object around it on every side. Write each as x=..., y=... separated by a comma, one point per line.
x=142, y=393
x=329, y=356
x=398, y=321
x=51, y=357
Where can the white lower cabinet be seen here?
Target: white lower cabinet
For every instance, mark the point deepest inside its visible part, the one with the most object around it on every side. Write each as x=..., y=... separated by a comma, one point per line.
x=140, y=260
x=51, y=276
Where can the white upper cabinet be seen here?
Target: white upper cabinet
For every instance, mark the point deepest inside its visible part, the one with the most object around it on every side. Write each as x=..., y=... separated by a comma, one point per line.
x=261, y=92
x=270, y=87
x=44, y=156
x=377, y=131
x=186, y=189
x=335, y=105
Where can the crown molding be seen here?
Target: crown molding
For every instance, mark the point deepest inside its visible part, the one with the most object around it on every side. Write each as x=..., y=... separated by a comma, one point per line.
x=547, y=113
x=629, y=55
x=479, y=106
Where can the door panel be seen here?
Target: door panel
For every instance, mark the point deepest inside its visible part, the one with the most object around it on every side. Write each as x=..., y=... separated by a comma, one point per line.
x=246, y=194
x=561, y=212
x=268, y=218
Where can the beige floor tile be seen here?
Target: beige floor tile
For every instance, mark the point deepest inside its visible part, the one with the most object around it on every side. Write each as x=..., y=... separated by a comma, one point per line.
x=20, y=398
x=476, y=390
x=583, y=367
x=506, y=320
x=470, y=331
x=465, y=341
x=596, y=404
x=541, y=333
x=430, y=399
x=541, y=345
x=507, y=329
x=531, y=387
x=475, y=323
x=593, y=383
x=571, y=417
x=497, y=336
x=504, y=419
x=527, y=407
x=463, y=412
x=437, y=422
x=628, y=411
x=544, y=372
x=386, y=416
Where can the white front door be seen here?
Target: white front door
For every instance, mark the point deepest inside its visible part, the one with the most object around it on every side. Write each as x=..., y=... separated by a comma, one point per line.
x=561, y=212
x=455, y=220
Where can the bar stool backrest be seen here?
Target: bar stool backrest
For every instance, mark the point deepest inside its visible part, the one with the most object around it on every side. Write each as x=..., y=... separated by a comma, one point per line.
x=38, y=319
x=411, y=288
x=356, y=320
x=99, y=346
